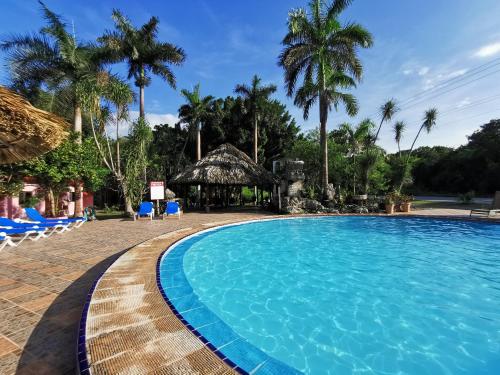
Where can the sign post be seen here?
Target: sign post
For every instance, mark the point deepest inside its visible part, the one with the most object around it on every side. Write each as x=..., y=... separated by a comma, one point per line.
x=157, y=192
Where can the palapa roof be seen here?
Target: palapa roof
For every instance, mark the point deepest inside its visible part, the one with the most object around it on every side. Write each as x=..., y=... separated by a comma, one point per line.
x=26, y=131
x=225, y=165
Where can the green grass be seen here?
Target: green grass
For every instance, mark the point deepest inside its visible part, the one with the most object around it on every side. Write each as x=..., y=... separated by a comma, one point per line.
x=109, y=214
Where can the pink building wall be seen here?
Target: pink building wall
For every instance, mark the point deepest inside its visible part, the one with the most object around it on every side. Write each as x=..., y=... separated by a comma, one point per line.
x=10, y=207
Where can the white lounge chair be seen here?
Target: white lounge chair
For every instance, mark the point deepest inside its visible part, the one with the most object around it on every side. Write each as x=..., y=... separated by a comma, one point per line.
x=488, y=212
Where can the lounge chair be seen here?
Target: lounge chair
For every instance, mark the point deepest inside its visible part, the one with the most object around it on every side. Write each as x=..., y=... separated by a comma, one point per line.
x=35, y=216
x=5, y=240
x=9, y=235
x=145, y=210
x=172, y=208
x=6, y=223
x=488, y=212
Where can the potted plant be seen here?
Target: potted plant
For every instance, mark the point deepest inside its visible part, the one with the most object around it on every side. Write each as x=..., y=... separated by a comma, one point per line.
x=405, y=202
x=390, y=202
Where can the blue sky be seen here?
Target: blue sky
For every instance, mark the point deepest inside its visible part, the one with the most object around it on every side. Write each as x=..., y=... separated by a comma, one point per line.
x=418, y=46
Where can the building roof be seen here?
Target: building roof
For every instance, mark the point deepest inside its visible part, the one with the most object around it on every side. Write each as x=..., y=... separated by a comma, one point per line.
x=26, y=131
x=225, y=165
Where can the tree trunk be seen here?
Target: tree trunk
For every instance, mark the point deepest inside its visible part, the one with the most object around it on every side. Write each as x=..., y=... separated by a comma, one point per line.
x=49, y=203
x=78, y=199
x=118, y=161
x=141, y=84
x=141, y=101
x=323, y=117
x=129, y=210
x=198, y=142
x=255, y=139
x=255, y=151
x=77, y=122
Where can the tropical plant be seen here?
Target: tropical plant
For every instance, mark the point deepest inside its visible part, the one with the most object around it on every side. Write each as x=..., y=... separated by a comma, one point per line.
x=137, y=160
x=318, y=47
x=255, y=96
x=399, y=128
x=429, y=121
x=359, y=140
x=387, y=110
x=195, y=112
x=142, y=51
x=11, y=180
x=68, y=163
x=56, y=59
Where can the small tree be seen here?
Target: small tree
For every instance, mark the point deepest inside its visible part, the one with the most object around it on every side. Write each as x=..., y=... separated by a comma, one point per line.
x=137, y=160
x=69, y=162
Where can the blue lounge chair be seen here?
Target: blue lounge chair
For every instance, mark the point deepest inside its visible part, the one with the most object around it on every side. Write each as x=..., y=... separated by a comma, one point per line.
x=6, y=223
x=145, y=210
x=8, y=235
x=35, y=216
x=172, y=208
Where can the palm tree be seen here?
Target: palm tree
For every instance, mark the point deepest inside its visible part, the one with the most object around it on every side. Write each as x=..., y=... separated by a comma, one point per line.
x=194, y=112
x=318, y=47
x=428, y=123
x=255, y=97
x=388, y=110
x=358, y=140
x=112, y=90
x=53, y=58
x=399, y=128
x=142, y=52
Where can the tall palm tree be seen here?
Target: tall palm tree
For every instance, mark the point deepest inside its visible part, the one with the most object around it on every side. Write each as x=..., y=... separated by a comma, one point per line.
x=56, y=59
x=399, y=128
x=324, y=52
x=428, y=123
x=194, y=112
x=387, y=110
x=142, y=52
x=255, y=97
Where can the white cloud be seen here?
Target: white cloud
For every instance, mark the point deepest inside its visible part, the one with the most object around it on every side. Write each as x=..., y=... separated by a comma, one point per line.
x=407, y=72
x=152, y=118
x=463, y=102
x=423, y=71
x=488, y=50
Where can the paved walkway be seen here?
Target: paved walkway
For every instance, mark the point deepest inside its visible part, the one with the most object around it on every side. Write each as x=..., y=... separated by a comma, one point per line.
x=43, y=286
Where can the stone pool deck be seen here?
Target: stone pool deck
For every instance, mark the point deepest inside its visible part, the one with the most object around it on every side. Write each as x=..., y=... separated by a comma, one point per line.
x=44, y=285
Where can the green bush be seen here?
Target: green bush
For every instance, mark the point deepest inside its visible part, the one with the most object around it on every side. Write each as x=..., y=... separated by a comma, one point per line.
x=466, y=198
x=248, y=195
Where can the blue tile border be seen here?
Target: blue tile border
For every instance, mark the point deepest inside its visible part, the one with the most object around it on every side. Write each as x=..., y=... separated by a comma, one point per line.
x=83, y=367
x=217, y=336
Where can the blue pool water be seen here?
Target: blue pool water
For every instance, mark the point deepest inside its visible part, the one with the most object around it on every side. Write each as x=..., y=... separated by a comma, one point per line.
x=342, y=295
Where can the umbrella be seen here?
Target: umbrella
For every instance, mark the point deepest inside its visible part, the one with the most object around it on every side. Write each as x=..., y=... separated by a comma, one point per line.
x=26, y=131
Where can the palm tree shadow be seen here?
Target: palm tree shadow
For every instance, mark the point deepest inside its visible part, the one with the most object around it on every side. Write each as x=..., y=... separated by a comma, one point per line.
x=51, y=346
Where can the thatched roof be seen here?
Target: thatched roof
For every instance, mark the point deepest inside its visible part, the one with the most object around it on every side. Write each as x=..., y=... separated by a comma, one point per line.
x=225, y=165
x=26, y=131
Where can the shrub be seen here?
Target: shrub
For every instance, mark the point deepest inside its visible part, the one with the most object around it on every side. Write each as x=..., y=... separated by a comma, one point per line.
x=466, y=198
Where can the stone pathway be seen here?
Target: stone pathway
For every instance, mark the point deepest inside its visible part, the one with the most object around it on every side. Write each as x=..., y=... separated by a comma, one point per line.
x=43, y=286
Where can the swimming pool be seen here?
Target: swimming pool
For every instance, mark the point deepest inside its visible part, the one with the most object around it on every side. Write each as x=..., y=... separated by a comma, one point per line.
x=337, y=295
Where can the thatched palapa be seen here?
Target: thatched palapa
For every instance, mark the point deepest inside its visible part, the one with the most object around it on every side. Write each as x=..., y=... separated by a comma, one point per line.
x=225, y=165
x=26, y=131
